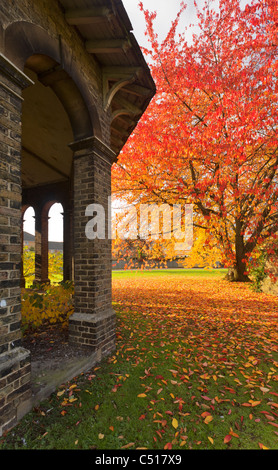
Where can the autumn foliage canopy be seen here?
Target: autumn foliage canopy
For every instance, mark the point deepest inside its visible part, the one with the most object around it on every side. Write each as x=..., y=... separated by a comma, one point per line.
x=209, y=137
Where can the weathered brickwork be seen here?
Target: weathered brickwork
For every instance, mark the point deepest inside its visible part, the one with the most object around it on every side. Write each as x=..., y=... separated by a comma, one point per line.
x=15, y=374
x=10, y=210
x=94, y=331
x=14, y=360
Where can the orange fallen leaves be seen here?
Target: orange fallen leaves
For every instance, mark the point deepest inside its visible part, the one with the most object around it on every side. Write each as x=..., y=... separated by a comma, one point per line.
x=206, y=346
x=208, y=419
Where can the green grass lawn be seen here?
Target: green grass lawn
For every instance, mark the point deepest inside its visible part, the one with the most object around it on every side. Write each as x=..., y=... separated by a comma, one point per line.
x=195, y=367
x=189, y=273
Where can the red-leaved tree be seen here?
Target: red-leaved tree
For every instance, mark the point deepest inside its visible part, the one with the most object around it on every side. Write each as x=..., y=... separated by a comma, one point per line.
x=209, y=137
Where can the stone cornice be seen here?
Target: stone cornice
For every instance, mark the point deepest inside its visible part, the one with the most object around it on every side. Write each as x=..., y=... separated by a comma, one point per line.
x=95, y=146
x=13, y=73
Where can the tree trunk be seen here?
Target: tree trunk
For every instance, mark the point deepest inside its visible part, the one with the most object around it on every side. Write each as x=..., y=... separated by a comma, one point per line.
x=237, y=272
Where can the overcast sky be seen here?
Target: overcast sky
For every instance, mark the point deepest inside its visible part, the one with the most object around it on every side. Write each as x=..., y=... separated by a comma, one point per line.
x=166, y=13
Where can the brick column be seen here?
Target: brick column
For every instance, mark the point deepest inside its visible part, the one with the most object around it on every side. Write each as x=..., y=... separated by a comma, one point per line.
x=22, y=278
x=15, y=367
x=93, y=323
x=41, y=248
x=67, y=245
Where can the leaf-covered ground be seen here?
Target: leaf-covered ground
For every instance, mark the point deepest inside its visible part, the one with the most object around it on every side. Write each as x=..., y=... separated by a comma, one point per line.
x=196, y=367
x=209, y=353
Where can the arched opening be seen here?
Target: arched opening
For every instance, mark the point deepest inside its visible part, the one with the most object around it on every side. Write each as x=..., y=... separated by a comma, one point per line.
x=48, y=127
x=46, y=134
x=47, y=160
x=29, y=45
x=55, y=243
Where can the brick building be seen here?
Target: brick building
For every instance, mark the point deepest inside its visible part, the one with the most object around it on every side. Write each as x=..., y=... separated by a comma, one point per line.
x=73, y=85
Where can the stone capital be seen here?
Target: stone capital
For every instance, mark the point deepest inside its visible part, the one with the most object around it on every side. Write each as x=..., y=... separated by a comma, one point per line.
x=93, y=145
x=13, y=73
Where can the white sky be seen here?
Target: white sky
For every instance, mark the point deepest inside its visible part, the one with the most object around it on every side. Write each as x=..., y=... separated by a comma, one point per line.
x=55, y=222
x=166, y=13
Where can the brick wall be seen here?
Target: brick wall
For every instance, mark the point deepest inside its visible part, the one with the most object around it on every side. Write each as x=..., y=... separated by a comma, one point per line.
x=14, y=360
x=15, y=391
x=10, y=208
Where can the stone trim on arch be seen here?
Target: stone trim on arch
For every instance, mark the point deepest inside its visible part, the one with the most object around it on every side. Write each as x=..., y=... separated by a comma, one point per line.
x=13, y=79
x=23, y=40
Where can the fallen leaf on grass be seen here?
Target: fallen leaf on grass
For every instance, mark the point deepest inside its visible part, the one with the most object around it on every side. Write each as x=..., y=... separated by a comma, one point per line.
x=71, y=400
x=270, y=418
x=264, y=389
x=273, y=424
x=227, y=438
x=208, y=419
x=254, y=402
x=168, y=446
x=273, y=404
x=175, y=423
x=127, y=446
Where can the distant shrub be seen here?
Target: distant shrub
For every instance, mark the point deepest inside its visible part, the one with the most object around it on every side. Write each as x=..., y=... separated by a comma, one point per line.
x=264, y=265
x=55, y=265
x=258, y=271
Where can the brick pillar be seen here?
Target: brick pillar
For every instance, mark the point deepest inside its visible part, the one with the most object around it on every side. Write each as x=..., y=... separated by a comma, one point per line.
x=93, y=323
x=67, y=245
x=22, y=278
x=15, y=370
x=41, y=248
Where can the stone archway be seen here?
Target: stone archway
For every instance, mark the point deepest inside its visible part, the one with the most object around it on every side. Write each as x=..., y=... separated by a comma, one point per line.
x=50, y=54
x=50, y=160
x=30, y=45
